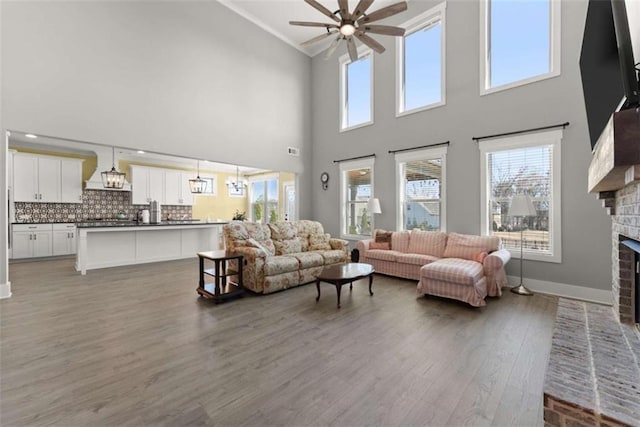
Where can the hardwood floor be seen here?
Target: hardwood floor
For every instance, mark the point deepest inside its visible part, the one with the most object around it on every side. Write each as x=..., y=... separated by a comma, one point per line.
x=136, y=346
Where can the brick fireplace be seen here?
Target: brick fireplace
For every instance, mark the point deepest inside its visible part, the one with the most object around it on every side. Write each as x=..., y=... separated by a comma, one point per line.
x=593, y=376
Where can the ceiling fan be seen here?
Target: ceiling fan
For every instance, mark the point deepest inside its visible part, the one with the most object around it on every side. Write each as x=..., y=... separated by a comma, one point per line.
x=355, y=24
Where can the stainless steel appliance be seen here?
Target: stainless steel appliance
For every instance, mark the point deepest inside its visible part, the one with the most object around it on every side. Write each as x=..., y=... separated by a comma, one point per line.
x=154, y=209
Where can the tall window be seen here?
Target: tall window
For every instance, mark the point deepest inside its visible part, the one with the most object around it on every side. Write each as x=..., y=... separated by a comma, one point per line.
x=263, y=196
x=520, y=42
x=421, y=63
x=356, y=89
x=527, y=164
x=356, y=183
x=421, y=192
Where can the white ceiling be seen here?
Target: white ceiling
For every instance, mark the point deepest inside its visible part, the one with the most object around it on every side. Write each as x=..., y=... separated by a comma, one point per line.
x=274, y=16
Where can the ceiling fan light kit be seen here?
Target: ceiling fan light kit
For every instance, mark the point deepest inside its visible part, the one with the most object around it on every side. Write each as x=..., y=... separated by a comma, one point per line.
x=354, y=24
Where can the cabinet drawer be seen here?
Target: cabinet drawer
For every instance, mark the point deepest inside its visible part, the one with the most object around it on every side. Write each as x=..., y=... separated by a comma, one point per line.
x=32, y=227
x=68, y=227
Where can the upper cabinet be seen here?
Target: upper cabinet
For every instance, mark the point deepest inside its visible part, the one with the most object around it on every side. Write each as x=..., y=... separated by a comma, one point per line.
x=46, y=179
x=167, y=186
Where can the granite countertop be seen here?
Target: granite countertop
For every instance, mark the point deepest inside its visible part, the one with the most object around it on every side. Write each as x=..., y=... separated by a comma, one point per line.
x=103, y=224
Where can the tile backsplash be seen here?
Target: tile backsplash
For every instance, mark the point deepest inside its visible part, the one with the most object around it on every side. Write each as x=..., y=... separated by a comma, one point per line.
x=96, y=204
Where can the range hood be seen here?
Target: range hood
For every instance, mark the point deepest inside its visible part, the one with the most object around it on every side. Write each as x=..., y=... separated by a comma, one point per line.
x=104, y=163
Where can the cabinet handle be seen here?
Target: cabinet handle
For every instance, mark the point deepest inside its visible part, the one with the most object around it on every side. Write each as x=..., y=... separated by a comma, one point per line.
x=35, y=196
x=30, y=236
x=68, y=235
x=72, y=234
x=40, y=198
x=35, y=237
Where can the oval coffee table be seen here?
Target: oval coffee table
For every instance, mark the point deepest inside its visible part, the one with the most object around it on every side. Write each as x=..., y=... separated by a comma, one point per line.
x=340, y=274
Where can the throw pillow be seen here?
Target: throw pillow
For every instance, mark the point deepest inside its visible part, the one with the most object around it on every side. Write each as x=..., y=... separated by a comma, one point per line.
x=319, y=242
x=380, y=245
x=383, y=237
x=253, y=243
x=290, y=246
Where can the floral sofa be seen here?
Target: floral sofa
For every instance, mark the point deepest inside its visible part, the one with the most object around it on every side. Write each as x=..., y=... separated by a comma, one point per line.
x=458, y=266
x=283, y=254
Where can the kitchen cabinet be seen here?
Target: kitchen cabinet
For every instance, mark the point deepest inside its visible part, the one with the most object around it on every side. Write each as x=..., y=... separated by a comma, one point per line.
x=147, y=184
x=177, y=190
x=64, y=239
x=44, y=179
x=167, y=186
x=32, y=240
x=70, y=181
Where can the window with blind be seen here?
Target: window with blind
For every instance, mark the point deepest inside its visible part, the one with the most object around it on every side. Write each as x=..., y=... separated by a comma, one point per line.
x=529, y=165
x=520, y=42
x=421, y=65
x=421, y=189
x=356, y=182
x=356, y=90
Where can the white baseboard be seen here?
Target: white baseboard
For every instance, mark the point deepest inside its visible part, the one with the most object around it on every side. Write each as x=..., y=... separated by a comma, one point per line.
x=599, y=296
x=5, y=290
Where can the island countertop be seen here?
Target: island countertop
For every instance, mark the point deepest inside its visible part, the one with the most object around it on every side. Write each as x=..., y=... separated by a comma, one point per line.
x=104, y=244
x=106, y=224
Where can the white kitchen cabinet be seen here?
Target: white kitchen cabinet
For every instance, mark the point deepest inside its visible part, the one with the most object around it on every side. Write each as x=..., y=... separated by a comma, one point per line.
x=147, y=185
x=187, y=196
x=167, y=186
x=32, y=240
x=177, y=190
x=71, y=181
x=46, y=179
x=64, y=239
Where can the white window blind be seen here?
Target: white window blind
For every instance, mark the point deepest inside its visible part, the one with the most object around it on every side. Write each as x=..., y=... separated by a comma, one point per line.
x=523, y=164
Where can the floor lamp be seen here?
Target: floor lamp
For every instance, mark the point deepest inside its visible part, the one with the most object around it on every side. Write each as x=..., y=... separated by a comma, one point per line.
x=521, y=206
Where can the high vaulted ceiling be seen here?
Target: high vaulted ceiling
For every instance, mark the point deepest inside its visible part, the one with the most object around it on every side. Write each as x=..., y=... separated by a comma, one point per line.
x=274, y=16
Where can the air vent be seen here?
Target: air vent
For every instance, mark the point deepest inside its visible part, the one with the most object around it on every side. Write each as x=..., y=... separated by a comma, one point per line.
x=293, y=151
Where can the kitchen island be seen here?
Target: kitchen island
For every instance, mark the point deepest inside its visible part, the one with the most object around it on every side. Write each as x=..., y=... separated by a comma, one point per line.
x=114, y=243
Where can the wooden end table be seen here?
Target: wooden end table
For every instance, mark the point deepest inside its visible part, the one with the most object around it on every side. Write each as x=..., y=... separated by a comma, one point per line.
x=340, y=274
x=221, y=289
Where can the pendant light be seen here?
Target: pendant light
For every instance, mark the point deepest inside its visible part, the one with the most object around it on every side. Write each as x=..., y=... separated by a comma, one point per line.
x=238, y=183
x=198, y=185
x=113, y=178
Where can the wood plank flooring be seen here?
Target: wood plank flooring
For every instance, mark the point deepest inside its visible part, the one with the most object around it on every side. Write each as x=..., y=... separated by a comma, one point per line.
x=136, y=346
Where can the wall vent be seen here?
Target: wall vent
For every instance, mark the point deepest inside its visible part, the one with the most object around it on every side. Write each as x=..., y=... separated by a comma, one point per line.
x=293, y=151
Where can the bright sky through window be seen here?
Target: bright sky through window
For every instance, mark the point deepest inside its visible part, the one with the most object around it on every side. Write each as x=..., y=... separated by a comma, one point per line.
x=359, y=92
x=422, y=68
x=519, y=40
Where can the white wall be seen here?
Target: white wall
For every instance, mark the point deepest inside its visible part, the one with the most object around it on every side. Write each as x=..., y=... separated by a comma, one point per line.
x=179, y=77
x=5, y=286
x=586, y=229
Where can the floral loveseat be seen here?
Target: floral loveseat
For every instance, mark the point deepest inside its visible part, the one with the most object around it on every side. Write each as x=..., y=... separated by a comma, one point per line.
x=283, y=254
x=458, y=266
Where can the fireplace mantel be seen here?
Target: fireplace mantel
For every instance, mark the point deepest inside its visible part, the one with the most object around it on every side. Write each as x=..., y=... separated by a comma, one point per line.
x=616, y=158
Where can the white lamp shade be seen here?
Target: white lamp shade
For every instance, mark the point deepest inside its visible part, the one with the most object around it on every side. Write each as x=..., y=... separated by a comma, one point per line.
x=374, y=206
x=522, y=205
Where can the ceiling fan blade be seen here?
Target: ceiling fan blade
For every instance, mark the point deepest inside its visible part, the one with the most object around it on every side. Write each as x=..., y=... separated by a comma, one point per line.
x=344, y=8
x=385, y=12
x=360, y=9
x=322, y=9
x=332, y=48
x=318, y=38
x=369, y=42
x=386, y=30
x=312, y=24
x=353, y=50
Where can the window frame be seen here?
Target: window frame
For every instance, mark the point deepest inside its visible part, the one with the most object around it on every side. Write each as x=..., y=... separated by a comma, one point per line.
x=555, y=57
x=249, y=194
x=422, y=21
x=551, y=138
x=424, y=154
x=344, y=61
x=345, y=167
